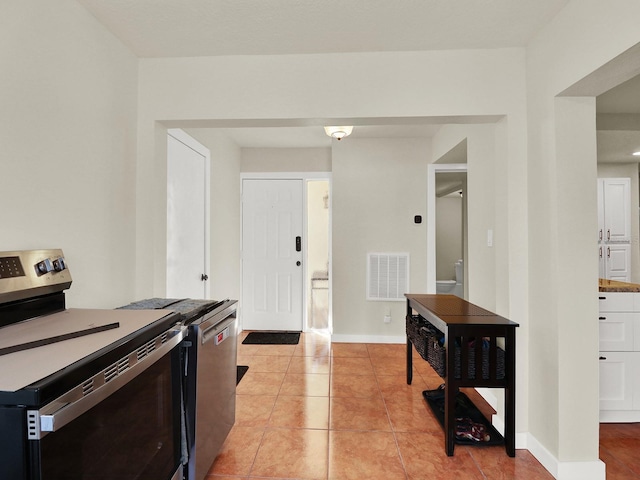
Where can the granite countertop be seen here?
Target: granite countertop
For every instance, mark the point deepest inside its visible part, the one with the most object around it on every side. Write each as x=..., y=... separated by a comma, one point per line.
x=616, y=286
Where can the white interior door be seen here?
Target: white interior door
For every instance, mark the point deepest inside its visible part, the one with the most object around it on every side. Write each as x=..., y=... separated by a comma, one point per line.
x=187, y=189
x=271, y=255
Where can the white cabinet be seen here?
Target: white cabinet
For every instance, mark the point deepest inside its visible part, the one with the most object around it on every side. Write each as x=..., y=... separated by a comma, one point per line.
x=617, y=331
x=619, y=325
x=614, y=209
x=615, y=261
x=614, y=228
x=616, y=380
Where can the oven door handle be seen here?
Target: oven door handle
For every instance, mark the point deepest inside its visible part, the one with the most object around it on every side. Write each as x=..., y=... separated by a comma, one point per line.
x=69, y=406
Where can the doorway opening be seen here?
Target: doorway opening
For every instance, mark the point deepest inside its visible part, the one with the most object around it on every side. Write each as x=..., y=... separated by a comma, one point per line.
x=451, y=229
x=318, y=200
x=263, y=306
x=447, y=219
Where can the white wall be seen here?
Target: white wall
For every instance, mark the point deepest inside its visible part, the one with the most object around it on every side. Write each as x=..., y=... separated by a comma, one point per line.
x=68, y=91
x=378, y=188
x=286, y=160
x=224, y=267
x=562, y=201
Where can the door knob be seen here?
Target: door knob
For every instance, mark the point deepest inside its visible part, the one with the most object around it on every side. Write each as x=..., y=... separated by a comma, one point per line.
x=298, y=263
x=204, y=277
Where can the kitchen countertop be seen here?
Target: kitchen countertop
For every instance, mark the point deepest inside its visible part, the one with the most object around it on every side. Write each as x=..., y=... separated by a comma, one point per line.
x=616, y=286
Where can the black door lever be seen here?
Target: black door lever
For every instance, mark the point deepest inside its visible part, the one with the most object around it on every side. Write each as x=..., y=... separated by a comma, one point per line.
x=298, y=244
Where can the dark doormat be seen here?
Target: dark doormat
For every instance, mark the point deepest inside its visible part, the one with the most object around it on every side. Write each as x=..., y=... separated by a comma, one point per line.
x=242, y=369
x=272, y=338
x=466, y=415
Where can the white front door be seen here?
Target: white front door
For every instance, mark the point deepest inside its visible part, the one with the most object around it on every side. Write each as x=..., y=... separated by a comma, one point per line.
x=186, y=216
x=272, y=254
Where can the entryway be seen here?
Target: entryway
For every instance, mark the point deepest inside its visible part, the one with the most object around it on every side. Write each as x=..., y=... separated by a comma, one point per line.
x=285, y=252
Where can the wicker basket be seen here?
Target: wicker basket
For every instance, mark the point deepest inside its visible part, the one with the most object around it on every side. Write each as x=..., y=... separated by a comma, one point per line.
x=428, y=342
x=415, y=324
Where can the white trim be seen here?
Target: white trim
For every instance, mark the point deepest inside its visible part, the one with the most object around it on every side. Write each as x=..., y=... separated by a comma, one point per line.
x=619, y=416
x=432, y=170
x=192, y=143
x=594, y=470
x=341, y=338
x=285, y=175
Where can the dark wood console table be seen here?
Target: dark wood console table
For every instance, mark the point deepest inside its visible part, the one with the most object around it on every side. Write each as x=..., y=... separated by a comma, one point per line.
x=464, y=325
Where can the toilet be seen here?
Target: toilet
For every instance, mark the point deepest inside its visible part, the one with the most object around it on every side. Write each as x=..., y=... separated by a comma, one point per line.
x=453, y=287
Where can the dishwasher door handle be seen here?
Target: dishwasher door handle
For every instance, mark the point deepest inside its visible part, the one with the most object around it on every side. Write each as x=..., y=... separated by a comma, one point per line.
x=217, y=330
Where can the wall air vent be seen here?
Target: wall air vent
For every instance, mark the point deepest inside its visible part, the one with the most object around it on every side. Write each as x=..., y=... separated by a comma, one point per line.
x=387, y=276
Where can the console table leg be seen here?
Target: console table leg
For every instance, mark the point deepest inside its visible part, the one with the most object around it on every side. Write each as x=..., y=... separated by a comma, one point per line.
x=510, y=420
x=409, y=362
x=510, y=393
x=449, y=418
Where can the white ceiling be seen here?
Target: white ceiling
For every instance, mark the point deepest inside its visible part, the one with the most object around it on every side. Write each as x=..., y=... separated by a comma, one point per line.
x=178, y=28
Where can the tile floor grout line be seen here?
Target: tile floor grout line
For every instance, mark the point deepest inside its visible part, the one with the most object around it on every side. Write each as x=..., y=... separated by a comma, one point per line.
x=393, y=431
x=253, y=462
x=473, y=459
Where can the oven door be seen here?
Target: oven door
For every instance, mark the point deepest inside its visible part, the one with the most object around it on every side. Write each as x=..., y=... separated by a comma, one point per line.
x=134, y=433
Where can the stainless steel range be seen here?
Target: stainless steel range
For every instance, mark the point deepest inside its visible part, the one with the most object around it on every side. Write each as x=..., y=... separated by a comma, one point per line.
x=84, y=393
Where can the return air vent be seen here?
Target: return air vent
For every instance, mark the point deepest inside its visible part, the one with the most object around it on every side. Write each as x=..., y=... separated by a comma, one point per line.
x=387, y=276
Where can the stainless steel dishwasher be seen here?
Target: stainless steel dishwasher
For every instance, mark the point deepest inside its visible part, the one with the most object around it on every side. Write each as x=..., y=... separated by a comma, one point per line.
x=210, y=391
x=209, y=359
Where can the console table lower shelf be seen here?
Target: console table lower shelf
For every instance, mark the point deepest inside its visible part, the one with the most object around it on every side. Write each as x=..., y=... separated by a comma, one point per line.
x=471, y=426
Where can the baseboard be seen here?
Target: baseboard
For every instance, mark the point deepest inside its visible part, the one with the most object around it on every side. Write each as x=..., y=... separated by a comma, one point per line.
x=619, y=416
x=563, y=470
x=340, y=338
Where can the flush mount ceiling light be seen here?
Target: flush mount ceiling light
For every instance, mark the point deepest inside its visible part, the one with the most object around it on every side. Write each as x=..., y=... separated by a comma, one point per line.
x=636, y=154
x=338, y=132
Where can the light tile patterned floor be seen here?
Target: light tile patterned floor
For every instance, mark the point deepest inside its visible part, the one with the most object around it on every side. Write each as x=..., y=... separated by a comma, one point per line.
x=342, y=411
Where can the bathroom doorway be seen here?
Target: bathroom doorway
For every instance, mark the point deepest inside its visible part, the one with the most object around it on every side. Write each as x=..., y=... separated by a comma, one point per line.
x=450, y=232
x=447, y=228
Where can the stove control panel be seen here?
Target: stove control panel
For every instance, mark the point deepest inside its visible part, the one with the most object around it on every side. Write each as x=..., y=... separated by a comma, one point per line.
x=29, y=273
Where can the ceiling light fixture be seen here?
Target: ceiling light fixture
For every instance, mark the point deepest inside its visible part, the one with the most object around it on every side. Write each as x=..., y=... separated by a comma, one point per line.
x=338, y=132
x=636, y=154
